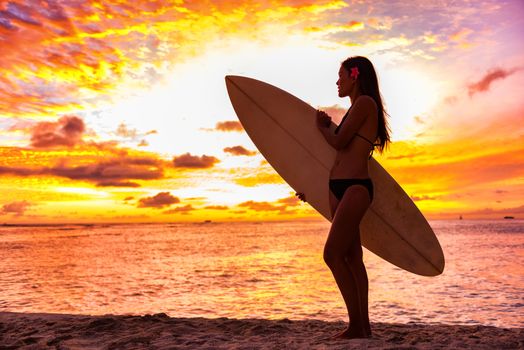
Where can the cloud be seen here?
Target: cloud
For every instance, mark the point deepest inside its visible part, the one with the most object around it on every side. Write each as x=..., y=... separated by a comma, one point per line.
x=281, y=207
x=497, y=213
x=23, y=125
x=449, y=177
x=123, y=131
x=264, y=174
x=352, y=26
x=116, y=169
x=260, y=206
x=458, y=173
x=117, y=184
x=461, y=35
x=424, y=198
x=133, y=134
x=216, y=207
x=67, y=131
x=491, y=76
x=186, y=209
x=239, y=151
x=16, y=208
x=407, y=156
x=418, y=119
x=451, y=100
x=160, y=200
x=113, y=172
x=189, y=161
x=229, y=126
x=290, y=201
x=18, y=12
x=61, y=54
x=261, y=176
x=21, y=171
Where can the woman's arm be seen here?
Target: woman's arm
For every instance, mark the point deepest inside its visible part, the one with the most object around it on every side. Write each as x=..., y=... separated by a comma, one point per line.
x=358, y=114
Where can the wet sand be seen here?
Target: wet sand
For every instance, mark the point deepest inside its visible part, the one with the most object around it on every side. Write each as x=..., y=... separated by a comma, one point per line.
x=159, y=331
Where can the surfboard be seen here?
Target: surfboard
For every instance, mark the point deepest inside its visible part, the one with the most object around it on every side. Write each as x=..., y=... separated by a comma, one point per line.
x=284, y=130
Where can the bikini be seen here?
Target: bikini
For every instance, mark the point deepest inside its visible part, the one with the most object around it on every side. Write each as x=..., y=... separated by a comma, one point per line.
x=339, y=186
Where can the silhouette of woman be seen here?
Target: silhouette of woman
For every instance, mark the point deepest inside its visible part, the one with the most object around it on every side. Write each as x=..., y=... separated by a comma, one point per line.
x=350, y=187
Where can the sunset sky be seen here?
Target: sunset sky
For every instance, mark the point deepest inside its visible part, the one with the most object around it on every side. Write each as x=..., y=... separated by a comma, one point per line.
x=117, y=111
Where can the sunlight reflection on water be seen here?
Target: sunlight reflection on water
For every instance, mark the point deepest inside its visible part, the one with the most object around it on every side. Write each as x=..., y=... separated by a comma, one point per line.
x=269, y=270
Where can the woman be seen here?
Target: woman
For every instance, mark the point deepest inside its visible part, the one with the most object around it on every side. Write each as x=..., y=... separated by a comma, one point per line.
x=350, y=187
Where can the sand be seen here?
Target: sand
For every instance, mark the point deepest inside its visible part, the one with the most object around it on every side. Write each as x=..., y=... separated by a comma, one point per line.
x=159, y=331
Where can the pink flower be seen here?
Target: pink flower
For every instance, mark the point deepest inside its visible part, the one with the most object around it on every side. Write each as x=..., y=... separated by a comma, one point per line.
x=354, y=73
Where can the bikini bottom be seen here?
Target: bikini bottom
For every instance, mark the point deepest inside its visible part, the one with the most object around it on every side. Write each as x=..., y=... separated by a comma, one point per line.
x=339, y=186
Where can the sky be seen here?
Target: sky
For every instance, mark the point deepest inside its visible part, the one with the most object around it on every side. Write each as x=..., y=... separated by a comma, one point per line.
x=116, y=111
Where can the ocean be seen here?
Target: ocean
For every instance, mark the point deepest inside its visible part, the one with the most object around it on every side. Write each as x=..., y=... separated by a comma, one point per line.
x=270, y=270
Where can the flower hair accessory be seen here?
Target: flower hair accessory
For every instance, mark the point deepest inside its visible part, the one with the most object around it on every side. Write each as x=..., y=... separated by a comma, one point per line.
x=354, y=73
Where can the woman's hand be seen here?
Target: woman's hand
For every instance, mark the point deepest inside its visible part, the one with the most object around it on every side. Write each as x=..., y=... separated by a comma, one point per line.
x=323, y=120
x=301, y=196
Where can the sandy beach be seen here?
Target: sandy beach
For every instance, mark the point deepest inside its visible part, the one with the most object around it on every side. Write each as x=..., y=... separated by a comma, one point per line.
x=159, y=331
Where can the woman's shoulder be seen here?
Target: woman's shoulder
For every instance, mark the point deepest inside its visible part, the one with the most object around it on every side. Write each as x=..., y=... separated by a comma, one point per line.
x=366, y=105
x=366, y=101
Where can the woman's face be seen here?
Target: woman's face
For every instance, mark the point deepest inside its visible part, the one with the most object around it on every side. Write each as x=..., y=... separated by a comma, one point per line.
x=345, y=83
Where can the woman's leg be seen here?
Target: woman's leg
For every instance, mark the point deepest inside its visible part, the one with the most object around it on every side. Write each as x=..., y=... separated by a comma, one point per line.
x=356, y=265
x=343, y=255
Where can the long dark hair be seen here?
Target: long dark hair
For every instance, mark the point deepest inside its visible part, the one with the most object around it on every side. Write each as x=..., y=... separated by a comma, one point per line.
x=368, y=81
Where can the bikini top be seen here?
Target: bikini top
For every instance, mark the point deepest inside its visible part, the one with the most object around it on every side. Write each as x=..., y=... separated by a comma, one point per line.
x=373, y=145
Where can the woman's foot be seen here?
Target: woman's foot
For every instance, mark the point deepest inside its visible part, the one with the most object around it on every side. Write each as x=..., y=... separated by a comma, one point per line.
x=352, y=333
x=368, y=331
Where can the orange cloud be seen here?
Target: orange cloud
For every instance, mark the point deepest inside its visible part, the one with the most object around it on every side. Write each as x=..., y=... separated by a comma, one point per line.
x=239, y=151
x=493, y=75
x=281, y=207
x=117, y=184
x=437, y=172
x=133, y=134
x=189, y=161
x=216, y=207
x=111, y=172
x=229, y=126
x=291, y=201
x=62, y=56
x=16, y=208
x=406, y=156
x=461, y=35
x=461, y=174
x=160, y=200
x=517, y=212
x=19, y=171
x=260, y=206
x=180, y=210
x=423, y=198
x=25, y=126
x=352, y=26
x=67, y=131
x=262, y=176
x=125, y=132
x=124, y=168
x=380, y=24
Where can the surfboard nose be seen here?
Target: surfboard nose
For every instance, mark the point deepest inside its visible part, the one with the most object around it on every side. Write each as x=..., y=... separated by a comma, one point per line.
x=230, y=78
x=231, y=82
